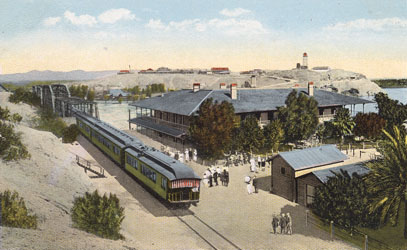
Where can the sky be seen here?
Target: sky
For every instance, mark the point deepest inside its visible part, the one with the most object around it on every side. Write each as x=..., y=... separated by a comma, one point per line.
x=364, y=36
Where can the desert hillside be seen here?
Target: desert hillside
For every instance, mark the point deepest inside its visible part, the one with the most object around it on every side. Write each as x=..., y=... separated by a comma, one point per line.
x=334, y=79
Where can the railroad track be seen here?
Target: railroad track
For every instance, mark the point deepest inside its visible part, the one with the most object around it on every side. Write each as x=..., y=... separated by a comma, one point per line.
x=211, y=236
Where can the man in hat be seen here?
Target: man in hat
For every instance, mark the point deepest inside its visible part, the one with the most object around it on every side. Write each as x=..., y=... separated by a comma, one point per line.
x=274, y=223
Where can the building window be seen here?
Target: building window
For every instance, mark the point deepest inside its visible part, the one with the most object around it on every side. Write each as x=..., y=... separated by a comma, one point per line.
x=163, y=183
x=150, y=174
x=310, y=191
x=283, y=170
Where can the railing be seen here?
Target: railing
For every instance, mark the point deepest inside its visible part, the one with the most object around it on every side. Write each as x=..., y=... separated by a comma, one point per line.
x=182, y=127
x=87, y=166
x=352, y=236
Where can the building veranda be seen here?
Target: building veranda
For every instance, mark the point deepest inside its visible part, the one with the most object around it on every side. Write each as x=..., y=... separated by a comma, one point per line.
x=166, y=118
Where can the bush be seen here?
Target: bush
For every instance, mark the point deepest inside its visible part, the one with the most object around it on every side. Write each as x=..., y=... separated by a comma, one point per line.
x=23, y=95
x=101, y=216
x=14, y=213
x=48, y=121
x=344, y=200
x=70, y=133
x=11, y=147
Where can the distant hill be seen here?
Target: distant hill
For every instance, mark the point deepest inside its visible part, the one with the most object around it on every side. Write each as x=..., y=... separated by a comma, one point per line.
x=35, y=75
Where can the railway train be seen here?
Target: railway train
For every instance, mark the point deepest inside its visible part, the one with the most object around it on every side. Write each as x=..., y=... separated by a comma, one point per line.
x=170, y=179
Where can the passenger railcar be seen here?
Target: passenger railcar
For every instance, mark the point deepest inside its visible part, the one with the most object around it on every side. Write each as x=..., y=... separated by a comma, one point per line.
x=165, y=176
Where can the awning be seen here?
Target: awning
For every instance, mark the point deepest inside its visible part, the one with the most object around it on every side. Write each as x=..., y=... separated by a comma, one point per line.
x=147, y=123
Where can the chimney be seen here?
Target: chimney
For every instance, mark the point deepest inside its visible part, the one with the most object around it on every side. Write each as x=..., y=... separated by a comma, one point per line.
x=253, y=81
x=222, y=85
x=196, y=87
x=233, y=91
x=311, y=88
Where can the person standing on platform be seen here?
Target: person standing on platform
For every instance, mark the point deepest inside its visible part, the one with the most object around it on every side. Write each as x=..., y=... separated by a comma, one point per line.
x=195, y=156
x=215, y=177
x=282, y=224
x=255, y=184
x=186, y=155
x=274, y=223
x=259, y=161
x=252, y=165
x=210, y=178
x=289, y=226
x=227, y=178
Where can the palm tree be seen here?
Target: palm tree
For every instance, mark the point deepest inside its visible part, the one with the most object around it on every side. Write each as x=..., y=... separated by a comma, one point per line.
x=388, y=179
x=343, y=123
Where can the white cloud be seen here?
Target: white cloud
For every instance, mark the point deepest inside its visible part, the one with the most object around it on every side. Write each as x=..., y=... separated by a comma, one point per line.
x=114, y=15
x=156, y=24
x=370, y=24
x=183, y=25
x=235, y=26
x=229, y=26
x=234, y=12
x=51, y=21
x=80, y=20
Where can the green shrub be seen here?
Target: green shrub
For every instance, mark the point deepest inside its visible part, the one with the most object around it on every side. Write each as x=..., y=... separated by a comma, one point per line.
x=11, y=147
x=48, y=121
x=70, y=133
x=101, y=216
x=14, y=213
x=21, y=94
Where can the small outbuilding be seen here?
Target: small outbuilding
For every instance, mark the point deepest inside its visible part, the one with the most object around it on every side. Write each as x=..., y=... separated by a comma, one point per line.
x=287, y=167
x=306, y=184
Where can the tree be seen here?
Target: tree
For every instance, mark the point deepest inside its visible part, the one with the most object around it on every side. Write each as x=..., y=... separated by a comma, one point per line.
x=299, y=117
x=211, y=130
x=369, y=125
x=98, y=215
x=343, y=123
x=91, y=95
x=250, y=135
x=120, y=100
x=388, y=179
x=343, y=199
x=394, y=112
x=273, y=135
x=106, y=97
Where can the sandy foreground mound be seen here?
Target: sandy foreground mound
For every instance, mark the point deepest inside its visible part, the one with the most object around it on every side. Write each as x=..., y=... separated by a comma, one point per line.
x=337, y=78
x=48, y=182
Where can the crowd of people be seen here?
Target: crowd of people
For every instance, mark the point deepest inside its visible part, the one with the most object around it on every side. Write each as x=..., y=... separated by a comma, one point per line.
x=212, y=176
x=284, y=222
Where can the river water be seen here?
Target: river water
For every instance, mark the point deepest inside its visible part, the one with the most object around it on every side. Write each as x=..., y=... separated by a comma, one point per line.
x=399, y=94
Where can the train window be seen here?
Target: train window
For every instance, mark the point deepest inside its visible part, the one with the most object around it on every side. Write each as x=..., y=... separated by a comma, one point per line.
x=116, y=150
x=163, y=183
x=150, y=174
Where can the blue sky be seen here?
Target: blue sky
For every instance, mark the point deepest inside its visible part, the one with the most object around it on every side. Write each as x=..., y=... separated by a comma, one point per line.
x=366, y=36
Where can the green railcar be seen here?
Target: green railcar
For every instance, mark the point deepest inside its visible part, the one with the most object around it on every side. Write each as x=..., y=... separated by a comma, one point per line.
x=170, y=179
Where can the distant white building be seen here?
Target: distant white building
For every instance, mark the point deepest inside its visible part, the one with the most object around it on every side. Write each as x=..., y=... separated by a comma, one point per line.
x=321, y=69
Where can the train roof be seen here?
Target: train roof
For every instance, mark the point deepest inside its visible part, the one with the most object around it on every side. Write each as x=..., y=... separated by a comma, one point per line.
x=114, y=133
x=164, y=164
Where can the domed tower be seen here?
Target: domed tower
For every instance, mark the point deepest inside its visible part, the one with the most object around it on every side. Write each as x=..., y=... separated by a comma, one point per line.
x=305, y=60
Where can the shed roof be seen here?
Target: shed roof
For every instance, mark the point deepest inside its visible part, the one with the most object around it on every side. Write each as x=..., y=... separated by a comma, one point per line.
x=323, y=175
x=313, y=157
x=186, y=102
